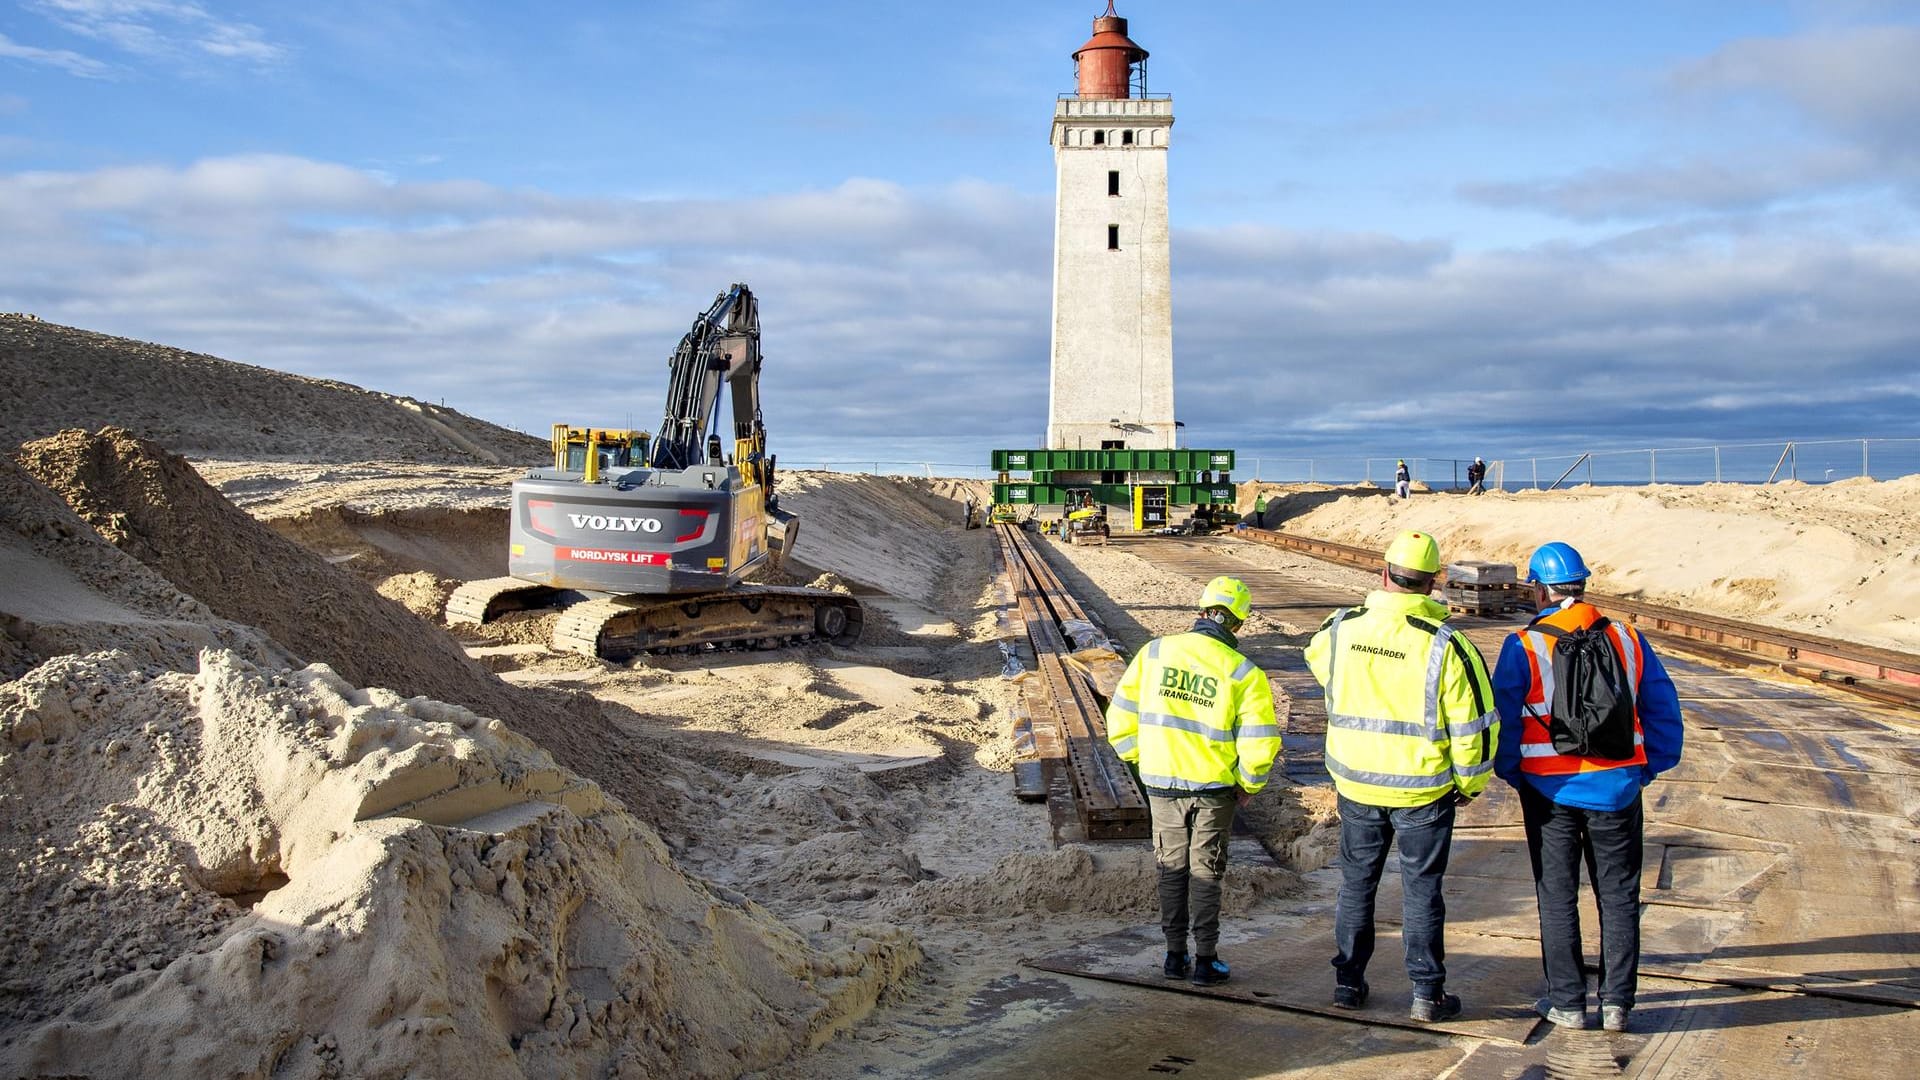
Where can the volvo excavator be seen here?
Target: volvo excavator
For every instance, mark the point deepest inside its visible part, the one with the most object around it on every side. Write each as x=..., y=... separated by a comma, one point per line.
x=646, y=537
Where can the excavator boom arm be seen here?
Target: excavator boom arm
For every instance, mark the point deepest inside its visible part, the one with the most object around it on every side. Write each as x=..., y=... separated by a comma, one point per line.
x=722, y=348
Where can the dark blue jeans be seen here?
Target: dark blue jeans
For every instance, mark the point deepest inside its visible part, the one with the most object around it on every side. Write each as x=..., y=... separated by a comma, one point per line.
x=1426, y=836
x=1559, y=838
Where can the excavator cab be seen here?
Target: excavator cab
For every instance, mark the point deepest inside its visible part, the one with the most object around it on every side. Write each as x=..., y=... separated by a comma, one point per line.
x=605, y=448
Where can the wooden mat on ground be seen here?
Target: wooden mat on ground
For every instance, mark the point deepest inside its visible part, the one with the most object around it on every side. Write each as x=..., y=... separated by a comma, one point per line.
x=1702, y=1030
x=1289, y=969
x=1198, y=1038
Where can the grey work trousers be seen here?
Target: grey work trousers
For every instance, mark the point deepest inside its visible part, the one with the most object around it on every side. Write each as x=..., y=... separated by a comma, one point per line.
x=1190, y=849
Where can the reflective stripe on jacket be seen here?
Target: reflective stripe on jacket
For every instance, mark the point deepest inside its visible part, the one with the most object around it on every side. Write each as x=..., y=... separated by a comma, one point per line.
x=1537, y=754
x=1410, y=712
x=1195, y=716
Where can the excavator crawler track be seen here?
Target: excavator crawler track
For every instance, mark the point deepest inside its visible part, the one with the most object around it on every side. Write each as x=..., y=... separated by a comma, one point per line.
x=489, y=598
x=743, y=617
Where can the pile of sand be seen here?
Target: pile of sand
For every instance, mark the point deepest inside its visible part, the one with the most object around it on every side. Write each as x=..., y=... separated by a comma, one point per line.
x=153, y=506
x=59, y=377
x=893, y=535
x=358, y=882
x=258, y=872
x=1841, y=559
x=69, y=591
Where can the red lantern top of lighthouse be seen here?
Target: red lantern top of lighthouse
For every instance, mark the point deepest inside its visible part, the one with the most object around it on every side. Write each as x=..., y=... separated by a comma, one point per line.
x=1106, y=60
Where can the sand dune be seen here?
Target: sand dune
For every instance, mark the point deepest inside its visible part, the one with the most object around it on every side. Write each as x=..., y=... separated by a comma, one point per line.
x=202, y=406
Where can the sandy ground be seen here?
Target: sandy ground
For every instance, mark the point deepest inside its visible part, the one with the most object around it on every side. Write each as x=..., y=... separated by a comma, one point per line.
x=1841, y=560
x=836, y=821
x=799, y=863
x=261, y=814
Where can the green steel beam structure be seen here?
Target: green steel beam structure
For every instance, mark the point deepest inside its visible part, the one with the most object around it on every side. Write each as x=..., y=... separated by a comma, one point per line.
x=1129, y=461
x=1112, y=495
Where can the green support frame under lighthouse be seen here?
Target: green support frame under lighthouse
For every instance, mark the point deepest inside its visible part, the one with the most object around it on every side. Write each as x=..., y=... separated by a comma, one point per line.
x=1190, y=477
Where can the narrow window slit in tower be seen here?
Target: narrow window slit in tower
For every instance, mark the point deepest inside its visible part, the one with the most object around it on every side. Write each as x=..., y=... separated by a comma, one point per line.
x=1099, y=138
x=1126, y=138
x=1113, y=181
x=1113, y=238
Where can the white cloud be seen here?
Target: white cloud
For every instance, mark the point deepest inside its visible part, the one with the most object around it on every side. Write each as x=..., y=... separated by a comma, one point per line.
x=1785, y=118
x=1655, y=189
x=915, y=320
x=66, y=60
x=1862, y=82
x=170, y=30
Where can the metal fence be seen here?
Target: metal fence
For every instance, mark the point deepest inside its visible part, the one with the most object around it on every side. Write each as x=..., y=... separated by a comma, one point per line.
x=925, y=469
x=1813, y=461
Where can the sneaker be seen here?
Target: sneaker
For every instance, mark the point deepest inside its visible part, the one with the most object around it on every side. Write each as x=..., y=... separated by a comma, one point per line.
x=1210, y=971
x=1614, y=1017
x=1566, y=1018
x=1176, y=966
x=1429, y=1010
x=1350, y=997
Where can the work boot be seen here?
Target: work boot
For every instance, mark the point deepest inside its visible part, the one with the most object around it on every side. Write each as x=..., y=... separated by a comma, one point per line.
x=1176, y=966
x=1428, y=1010
x=1210, y=971
x=1614, y=1017
x=1350, y=997
x=1566, y=1018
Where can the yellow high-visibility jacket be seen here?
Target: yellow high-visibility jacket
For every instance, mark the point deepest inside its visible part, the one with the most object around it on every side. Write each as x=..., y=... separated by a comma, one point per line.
x=1195, y=716
x=1410, y=712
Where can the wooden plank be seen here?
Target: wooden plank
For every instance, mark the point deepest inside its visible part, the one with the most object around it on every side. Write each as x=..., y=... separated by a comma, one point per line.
x=1794, y=932
x=1681, y=1029
x=1865, y=751
x=1797, y=714
x=1798, y=826
x=1761, y=1033
x=1848, y=791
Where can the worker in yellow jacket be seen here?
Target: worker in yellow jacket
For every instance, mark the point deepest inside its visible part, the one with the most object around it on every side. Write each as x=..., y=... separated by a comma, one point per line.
x=1411, y=733
x=1195, y=719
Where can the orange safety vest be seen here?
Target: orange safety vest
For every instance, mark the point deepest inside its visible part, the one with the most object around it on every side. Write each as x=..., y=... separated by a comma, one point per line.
x=1537, y=754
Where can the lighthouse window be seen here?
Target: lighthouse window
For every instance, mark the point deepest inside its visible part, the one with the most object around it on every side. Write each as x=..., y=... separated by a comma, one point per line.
x=1126, y=138
x=1113, y=181
x=1099, y=138
x=1113, y=238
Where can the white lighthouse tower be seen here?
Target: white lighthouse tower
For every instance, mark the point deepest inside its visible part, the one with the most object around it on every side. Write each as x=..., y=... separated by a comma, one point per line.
x=1112, y=356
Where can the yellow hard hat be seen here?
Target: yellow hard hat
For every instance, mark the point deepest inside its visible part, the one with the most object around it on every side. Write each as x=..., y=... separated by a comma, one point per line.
x=1415, y=551
x=1229, y=593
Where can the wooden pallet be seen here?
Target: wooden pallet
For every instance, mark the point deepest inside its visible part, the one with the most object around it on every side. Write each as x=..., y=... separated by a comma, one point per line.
x=1466, y=598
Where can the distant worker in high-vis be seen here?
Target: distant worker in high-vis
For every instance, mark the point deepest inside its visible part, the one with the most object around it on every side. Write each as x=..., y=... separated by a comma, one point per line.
x=1411, y=732
x=1195, y=718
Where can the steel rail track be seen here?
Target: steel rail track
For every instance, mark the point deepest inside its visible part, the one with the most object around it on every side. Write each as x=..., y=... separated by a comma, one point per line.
x=1065, y=712
x=1822, y=659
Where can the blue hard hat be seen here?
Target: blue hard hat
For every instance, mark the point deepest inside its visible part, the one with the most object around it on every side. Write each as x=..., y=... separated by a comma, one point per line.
x=1557, y=564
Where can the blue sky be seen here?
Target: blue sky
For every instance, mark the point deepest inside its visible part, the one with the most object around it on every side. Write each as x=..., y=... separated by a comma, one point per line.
x=1398, y=228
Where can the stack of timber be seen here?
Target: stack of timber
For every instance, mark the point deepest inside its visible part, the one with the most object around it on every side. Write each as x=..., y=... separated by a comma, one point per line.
x=1061, y=723
x=1482, y=588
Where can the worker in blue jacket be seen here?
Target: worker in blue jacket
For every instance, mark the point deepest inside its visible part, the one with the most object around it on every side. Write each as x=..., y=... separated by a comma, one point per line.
x=1581, y=806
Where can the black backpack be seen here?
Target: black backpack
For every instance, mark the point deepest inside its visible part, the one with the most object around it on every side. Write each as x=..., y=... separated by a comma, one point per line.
x=1592, y=700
